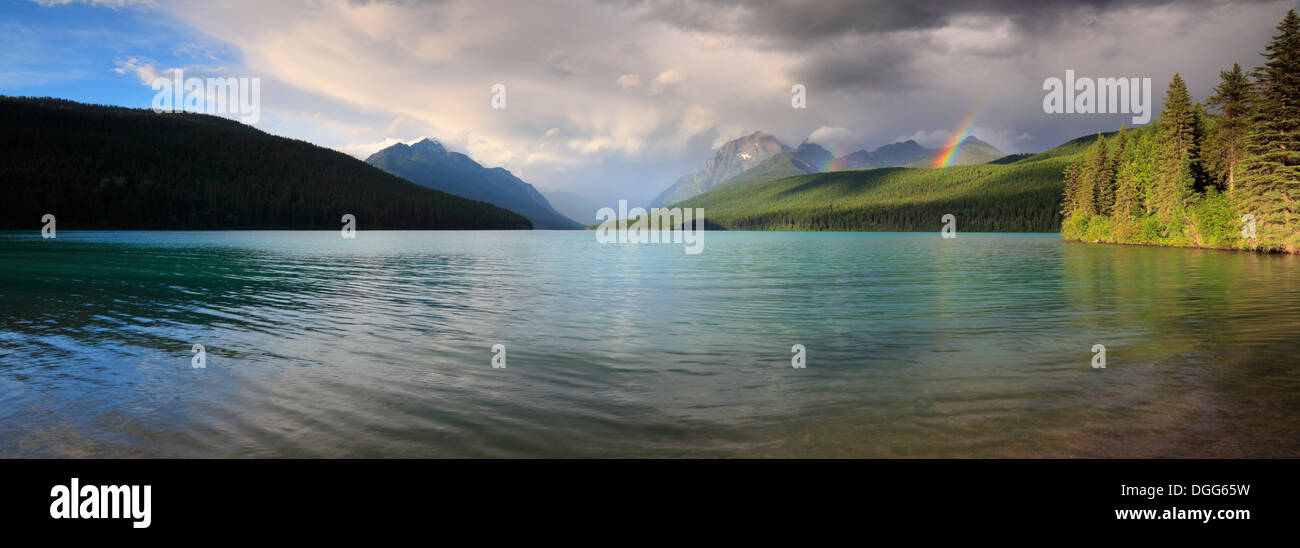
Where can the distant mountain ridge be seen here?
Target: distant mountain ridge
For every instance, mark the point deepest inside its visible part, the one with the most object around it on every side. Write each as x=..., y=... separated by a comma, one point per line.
x=814, y=155
x=891, y=155
x=970, y=151
x=429, y=164
x=760, y=156
x=780, y=166
x=731, y=159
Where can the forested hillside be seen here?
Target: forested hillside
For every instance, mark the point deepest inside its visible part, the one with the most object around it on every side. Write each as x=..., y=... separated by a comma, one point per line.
x=100, y=167
x=1021, y=197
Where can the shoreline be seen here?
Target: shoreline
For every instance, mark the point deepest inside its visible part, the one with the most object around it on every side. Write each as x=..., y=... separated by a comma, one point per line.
x=1173, y=246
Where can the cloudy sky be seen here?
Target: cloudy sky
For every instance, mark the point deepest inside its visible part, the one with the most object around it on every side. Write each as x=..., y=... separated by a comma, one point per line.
x=616, y=98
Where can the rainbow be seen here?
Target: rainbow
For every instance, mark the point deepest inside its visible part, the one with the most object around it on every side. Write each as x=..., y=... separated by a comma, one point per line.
x=829, y=164
x=949, y=151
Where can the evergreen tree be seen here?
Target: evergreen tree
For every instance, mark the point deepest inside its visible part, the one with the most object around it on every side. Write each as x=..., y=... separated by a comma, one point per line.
x=1100, y=177
x=1175, y=167
x=1126, y=200
x=1270, y=183
x=1167, y=179
x=1117, y=151
x=1131, y=172
x=1231, y=97
x=1086, y=199
x=1073, y=178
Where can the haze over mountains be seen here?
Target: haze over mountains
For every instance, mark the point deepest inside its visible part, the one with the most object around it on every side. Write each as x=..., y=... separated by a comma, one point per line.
x=731, y=159
x=574, y=206
x=429, y=164
x=760, y=157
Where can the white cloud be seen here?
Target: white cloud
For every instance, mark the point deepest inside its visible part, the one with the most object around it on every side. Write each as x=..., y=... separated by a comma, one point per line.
x=115, y=4
x=143, y=69
x=937, y=138
x=1005, y=139
x=666, y=78
x=364, y=150
x=343, y=68
x=592, y=145
x=629, y=81
x=714, y=42
x=838, y=139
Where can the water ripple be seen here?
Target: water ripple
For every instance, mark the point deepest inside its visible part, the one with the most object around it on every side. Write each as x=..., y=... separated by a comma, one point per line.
x=381, y=346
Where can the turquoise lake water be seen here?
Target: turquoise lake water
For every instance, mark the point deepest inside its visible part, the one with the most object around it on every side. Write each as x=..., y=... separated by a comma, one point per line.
x=916, y=346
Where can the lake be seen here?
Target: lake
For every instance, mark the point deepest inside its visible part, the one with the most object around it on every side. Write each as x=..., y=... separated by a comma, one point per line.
x=382, y=346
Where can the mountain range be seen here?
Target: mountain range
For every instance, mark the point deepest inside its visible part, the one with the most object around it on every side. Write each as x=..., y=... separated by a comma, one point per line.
x=760, y=157
x=731, y=159
x=893, y=154
x=429, y=164
x=1021, y=193
x=971, y=151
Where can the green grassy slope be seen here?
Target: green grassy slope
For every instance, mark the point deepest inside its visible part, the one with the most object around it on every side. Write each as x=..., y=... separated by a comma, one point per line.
x=1077, y=146
x=1019, y=197
x=1011, y=158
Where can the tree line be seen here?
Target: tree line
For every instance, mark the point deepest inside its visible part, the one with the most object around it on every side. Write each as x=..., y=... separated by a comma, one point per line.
x=1221, y=174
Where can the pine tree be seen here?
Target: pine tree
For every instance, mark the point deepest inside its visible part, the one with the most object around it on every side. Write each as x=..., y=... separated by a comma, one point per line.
x=1086, y=197
x=1175, y=165
x=1126, y=200
x=1232, y=98
x=1130, y=167
x=1269, y=187
x=1116, y=158
x=1117, y=151
x=1073, y=182
x=1100, y=177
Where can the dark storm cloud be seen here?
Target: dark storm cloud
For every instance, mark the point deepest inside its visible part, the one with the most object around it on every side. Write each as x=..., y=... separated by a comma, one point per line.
x=797, y=22
x=557, y=64
x=882, y=66
x=856, y=46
